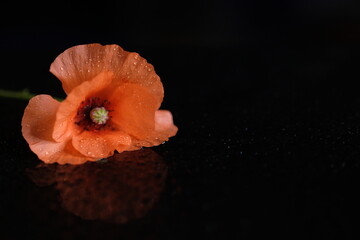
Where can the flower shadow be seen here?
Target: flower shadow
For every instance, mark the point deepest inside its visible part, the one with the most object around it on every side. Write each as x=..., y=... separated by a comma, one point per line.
x=121, y=188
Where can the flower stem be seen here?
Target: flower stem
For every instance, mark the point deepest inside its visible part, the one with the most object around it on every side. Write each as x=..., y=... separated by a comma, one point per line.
x=24, y=94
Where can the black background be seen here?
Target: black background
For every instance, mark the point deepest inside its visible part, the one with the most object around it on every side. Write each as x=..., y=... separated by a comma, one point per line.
x=264, y=94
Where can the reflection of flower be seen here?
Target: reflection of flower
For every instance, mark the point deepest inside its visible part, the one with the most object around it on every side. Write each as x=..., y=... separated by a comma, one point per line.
x=112, y=104
x=121, y=188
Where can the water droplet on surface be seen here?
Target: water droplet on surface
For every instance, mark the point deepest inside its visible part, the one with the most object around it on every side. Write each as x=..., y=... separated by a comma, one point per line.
x=89, y=153
x=88, y=70
x=61, y=68
x=46, y=153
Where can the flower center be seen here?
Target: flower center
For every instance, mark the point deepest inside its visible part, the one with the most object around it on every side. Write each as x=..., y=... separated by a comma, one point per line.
x=94, y=114
x=99, y=115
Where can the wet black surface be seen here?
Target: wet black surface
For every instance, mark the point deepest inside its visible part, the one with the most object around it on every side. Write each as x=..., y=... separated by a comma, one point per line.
x=268, y=112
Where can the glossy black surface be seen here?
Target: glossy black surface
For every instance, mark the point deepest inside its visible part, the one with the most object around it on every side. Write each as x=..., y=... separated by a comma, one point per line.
x=266, y=100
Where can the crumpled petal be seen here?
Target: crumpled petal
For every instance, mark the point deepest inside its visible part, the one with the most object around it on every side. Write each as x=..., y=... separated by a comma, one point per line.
x=133, y=110
x=83, y=62
x=100, y=144
x=164, y=129
x=164, y=124
x=37, y=125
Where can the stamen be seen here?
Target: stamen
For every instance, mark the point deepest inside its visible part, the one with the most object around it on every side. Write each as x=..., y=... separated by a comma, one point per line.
x=94, y=114
x=99, y=115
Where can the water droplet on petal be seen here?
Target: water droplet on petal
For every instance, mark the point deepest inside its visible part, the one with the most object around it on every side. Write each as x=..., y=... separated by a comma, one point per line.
x=89, y=153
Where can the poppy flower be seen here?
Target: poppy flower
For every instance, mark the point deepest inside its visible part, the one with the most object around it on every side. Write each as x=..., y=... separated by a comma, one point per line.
x=112, y=104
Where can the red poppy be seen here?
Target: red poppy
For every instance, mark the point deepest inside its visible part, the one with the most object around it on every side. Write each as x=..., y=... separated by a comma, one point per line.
x=112, y=103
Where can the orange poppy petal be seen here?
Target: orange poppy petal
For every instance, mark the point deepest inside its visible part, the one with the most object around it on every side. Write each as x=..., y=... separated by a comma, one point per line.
x=122, y=147
x=67, y=110
x=164, y=129
x=62, y=153
x=133, y=110
x=37, y=124
x=82, y=63
x=164, y=122
x=137, y=70
x=100, y=144
x=38, y=119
